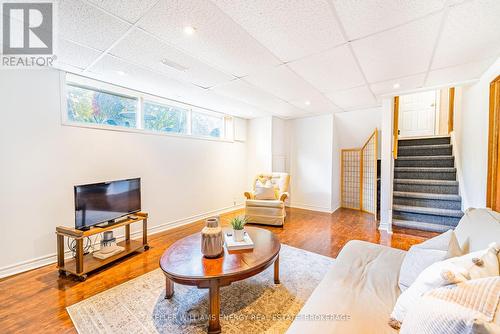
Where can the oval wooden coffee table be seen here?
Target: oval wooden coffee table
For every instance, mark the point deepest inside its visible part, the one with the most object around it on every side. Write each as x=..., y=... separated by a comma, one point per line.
x=184, y=264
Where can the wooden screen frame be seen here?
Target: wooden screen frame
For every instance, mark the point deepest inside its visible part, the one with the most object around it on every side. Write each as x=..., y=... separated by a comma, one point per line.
x=360, y=150
x=492, y=198
x=374, y=134
x=342, y=178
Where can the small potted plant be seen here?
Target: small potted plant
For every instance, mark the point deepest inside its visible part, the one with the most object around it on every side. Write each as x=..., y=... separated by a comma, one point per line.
x=238, y=224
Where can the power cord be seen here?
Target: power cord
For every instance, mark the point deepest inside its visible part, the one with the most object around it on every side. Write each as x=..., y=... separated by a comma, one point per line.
x=86, y=248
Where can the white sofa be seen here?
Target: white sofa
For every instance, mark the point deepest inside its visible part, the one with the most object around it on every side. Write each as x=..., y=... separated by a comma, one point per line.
x=358, y=293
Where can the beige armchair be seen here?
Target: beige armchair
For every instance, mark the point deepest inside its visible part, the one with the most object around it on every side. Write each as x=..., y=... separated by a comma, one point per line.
x=268, y=211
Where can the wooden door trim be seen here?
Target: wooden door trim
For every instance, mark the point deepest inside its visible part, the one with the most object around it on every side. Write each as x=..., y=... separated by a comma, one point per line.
x=493, y=147
x=396, y=127
x=451, y=108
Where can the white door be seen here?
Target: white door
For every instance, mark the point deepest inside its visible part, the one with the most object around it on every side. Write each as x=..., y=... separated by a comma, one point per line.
x=417, y=114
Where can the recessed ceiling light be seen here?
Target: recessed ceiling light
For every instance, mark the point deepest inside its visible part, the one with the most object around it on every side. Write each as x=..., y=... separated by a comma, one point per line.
x=121, y=73
x=189, y=30
x=307, y=103
x=396, y=85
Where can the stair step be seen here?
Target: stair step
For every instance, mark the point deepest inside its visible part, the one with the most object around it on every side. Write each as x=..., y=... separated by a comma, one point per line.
x=438, y=201
x=426, y=186
x=424, y=141
x=428, y=211
x=421, y=225
x=425, y=150
x=430, y=173
x=430, y=182
x=426, y=169
x=441, y=197
x=425, y=161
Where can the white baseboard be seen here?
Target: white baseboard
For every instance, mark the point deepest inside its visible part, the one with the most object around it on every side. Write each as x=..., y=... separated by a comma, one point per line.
x=52, y=258
x=311, y=207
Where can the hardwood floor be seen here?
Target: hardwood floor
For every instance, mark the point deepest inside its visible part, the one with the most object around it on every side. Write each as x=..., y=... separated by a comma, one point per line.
x=36, y=301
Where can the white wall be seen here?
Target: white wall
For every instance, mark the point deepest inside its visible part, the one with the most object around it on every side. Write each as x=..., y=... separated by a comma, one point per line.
x=471, y=135
x=41, y=160
x=354, y=127
x=259, y=148
x=311, y=147
x=280, y=145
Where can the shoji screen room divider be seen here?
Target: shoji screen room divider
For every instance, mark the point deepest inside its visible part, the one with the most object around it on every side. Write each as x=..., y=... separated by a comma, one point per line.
x=359, y=176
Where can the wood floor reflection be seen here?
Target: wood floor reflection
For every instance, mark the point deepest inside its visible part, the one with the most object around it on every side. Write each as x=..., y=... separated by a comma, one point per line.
x=36, y=301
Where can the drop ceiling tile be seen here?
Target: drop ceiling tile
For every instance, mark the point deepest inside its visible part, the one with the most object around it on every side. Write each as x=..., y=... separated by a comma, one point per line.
x=332, y=70
x=405, y=83
x=361, y=18
x=87, y=25
x=398, y=52
x=454, y=74
x=471, y=33
x=317, y=105
x=143, y=49
x=157, y=84
x=282, y=82
x=130, y=10
x=75, y=55
x=218, y=40
x=291, y=29
x=245, y=92
x=358, y=97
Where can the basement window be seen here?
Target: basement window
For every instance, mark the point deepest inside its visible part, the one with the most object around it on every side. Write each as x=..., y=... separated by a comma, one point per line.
x=164, y=118
x=95, y=104
x=206, y=125
x=86, y=105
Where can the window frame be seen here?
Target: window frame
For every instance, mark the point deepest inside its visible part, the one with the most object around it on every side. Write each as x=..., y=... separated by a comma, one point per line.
x=70, y=79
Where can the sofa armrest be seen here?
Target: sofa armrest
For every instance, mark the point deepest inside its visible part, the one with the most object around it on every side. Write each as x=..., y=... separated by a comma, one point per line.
x=283, y=196
x=249, y=194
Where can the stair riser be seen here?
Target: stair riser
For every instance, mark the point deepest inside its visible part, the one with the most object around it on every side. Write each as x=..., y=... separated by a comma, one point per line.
x=424, y=188
x=429, y=141
x=418, y=226
x=433, y=219
x=426, y=175
x=426, y=151
x=425, y=163
x=428, y=203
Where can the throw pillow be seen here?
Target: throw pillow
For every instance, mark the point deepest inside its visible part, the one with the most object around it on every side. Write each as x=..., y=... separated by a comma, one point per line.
x=477, y=265
x=423, y=255
x=467, y=307
x=264, y=191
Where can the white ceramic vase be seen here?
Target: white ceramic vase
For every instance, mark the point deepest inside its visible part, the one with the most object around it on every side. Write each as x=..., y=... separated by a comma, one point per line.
x=239, y=235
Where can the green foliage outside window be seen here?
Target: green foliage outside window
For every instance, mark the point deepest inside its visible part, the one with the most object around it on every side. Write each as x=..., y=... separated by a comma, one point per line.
x=160, y=117
x=90, y=106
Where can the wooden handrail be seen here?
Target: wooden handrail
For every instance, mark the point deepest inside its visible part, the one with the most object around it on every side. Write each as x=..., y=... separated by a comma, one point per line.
x=396, y=127
x=451, y=108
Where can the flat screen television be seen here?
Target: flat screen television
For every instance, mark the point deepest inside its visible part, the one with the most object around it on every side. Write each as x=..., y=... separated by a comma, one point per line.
x=106, y=201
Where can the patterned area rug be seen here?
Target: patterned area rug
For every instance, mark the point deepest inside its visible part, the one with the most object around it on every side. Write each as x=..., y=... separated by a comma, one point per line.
x=254, y=305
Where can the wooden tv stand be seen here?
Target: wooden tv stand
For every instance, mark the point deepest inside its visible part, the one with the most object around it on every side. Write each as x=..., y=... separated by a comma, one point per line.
x=83, y=264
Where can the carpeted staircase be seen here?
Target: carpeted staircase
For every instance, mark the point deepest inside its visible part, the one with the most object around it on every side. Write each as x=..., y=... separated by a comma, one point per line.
x=425, y=185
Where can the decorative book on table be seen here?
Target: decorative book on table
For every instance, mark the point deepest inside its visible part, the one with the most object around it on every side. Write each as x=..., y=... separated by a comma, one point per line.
x=231, y=244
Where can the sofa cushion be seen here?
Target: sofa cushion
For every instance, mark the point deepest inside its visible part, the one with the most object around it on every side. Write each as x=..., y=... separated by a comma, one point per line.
x=439, y=274
x=264, y=191
x=477, y=229
x=422, y=255
x=275, y=203
x=468, y=307
x=357, y=294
